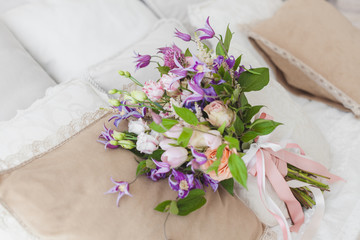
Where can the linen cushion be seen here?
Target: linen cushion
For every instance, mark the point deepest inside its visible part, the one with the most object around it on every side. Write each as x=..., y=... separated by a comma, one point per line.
x=317, y=50
x=22, y=80
x=63, y=198
x=66, y=37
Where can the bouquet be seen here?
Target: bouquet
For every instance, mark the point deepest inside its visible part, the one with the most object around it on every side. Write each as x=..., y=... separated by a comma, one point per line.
x=195, y=128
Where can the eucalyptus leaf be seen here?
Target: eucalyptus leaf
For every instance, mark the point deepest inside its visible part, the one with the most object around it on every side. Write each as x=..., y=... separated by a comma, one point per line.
x=238, y=169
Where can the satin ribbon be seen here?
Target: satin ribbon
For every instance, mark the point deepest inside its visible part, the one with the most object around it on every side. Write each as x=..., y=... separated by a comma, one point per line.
x=270, y=160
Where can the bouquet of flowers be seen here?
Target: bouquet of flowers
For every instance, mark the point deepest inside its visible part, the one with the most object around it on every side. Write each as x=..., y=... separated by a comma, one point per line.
x=195, y=128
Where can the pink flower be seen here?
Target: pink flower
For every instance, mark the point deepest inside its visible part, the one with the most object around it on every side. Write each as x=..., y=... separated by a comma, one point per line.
x=169, y=82
x=175, y=156
x=164, y=144
x=212, y=139
x=174, y=132
x=146, y=143
x=189, y=61
x=219, y=113
x=153, y=90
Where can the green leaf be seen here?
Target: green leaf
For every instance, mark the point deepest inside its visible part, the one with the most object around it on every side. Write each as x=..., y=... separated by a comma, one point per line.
x=157, y=128
x=150, y=164
x=187, y=115
x=169, y=123
x=228, y=37
x=220, y=151
x=222, y=128
x=264, y=126
x=163, y=69
x=141, y=168
x=206, y=47
x=157, y=154
x=243, y=99
x=233, y=142
x=187, y=53
x=221, y=71
x=220, y=50
x=238, y=125
x=238, y=169
x=228, y=184
x=192, y=202
x=254, y=82
x=251, y=112
x=214, y=166
x=237, y=63
x=173, y=208
x=248, y=136
x=227, y=77
x=185, y=136
x=163, y=206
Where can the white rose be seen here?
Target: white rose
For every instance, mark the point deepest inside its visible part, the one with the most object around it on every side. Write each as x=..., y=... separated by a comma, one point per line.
x=146, y=143
x=157, y=136
x=138, y=126
x=219, y=113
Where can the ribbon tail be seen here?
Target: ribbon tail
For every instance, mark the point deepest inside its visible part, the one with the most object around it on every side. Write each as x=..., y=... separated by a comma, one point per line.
x=283, y=191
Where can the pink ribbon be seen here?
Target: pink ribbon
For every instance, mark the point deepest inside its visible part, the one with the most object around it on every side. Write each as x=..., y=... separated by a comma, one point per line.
x=274, y=165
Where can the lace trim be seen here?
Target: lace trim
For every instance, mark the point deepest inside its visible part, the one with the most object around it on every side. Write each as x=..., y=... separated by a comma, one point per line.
x=342, y=97
x=9, y=222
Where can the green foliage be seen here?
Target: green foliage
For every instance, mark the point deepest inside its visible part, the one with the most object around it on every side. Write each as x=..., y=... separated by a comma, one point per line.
x=251, y=112
x=157, y=154
x=222, y=128
x=248, y=136
x=238, y=125
x=264, y=126
x=233, y=142
x=150, y=164
x=194, y=200
x=163, y=206
x=185, y=136
x=174, y=208
x=169, y=123
x=219, y=48
x=220, y=151
x=163, y=69
x=238, y=169
x=214, y=166
x=187, y=115
x=187, y=53
x=254, y=82
x=141, y=168
x=237, y=63
x=228, y=184
x=228, y=37
x=157, y=128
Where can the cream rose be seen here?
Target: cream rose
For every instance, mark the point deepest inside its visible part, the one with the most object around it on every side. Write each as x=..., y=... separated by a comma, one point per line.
x=219, y=113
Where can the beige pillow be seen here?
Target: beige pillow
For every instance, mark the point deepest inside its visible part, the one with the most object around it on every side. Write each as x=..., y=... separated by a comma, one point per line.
x=316, y=49
x=59, y=195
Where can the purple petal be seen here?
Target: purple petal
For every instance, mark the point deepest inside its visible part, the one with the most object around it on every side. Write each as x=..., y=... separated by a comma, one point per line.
x=230, y=61
x=183, y=36
x=198, y=77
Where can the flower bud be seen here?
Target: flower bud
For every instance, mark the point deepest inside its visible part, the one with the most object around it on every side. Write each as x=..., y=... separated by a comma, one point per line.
x=139, y=95
x=127, y=74
x=113, y=91
x=122, y=73
x=114, y=102
x=114, y=142
x=127, y=144
x=118, y=135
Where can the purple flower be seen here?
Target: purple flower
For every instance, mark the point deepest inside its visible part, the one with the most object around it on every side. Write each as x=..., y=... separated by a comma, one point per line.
x=142, y=60
x=207, y=30
x=126, y=112
x=230, y=62
x=160, y=172
x=182, y=183
x=199, y=159
x=217, y=63
x=171, y=53
x=200, y=94
x=107, y=137
x=207, y=180
x=238, y=73
x=121, y=187
x=183, y=36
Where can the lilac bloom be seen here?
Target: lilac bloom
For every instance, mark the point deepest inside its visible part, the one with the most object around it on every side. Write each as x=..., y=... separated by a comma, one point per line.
x=238, y=73
x=230, y=61
x=198, y=184
x=207, y=30
x=171, y=53
x=199, y=159
x=107, y=137
x=142, y=60
x=182, y=183
x=121, y=187
x=200, y=94
x=207, y=180
x=126, y=112
x=183, y=36
x=217, y=63
x=162, y=168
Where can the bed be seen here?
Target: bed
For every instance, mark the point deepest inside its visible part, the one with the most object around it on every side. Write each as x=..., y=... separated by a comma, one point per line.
x=79, y=68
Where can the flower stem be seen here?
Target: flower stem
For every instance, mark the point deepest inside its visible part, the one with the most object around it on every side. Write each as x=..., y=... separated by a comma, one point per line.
x=165, y=236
